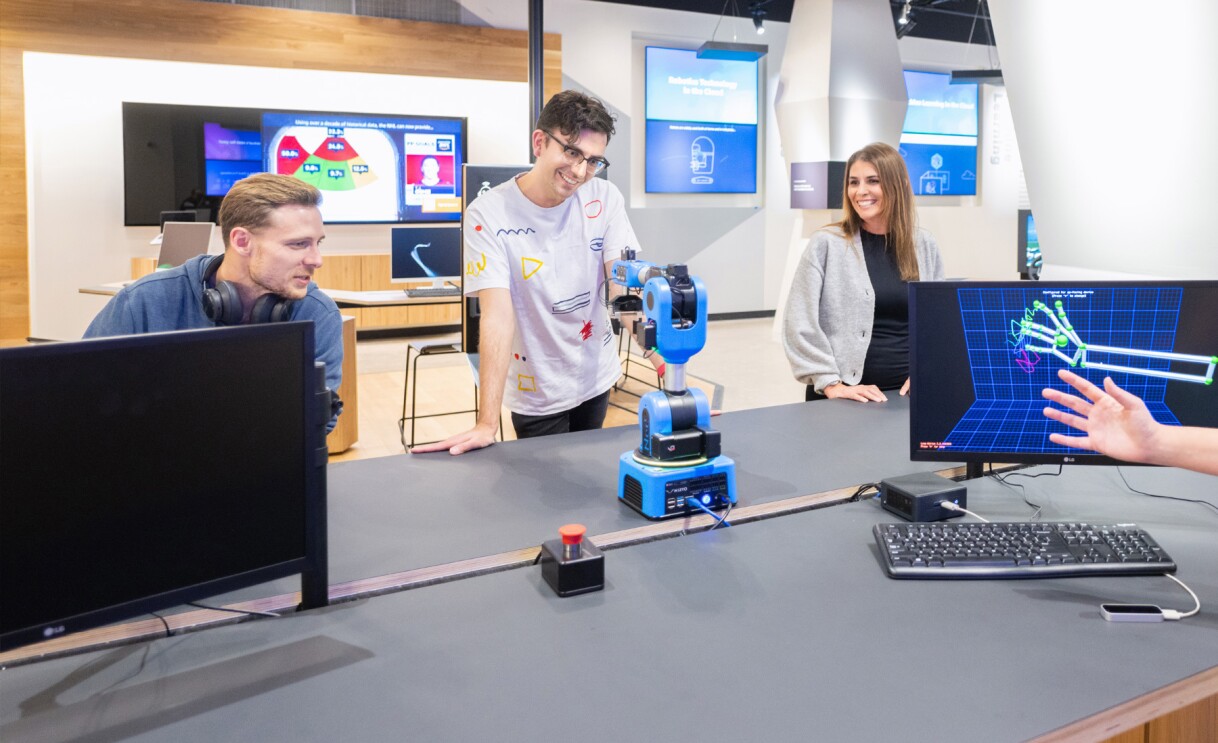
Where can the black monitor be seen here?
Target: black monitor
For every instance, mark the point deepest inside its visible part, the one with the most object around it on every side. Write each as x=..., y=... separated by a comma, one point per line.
x=421, y=254
x=143, y=472
x=181, y=215
x=981, y=352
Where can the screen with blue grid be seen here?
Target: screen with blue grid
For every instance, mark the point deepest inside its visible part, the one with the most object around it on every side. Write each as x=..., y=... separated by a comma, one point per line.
x=981, y=354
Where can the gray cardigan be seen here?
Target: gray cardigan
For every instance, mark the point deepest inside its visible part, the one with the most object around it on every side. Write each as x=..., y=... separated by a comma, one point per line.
x=831, y=306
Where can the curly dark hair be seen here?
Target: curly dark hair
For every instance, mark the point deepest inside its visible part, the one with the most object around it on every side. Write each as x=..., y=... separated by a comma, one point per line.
x=571, y=112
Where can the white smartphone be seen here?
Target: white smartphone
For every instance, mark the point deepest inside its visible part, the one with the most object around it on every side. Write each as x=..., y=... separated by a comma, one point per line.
x=1131, y=612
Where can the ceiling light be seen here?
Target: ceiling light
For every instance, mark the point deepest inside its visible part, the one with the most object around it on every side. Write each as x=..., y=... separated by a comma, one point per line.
x=759, y=20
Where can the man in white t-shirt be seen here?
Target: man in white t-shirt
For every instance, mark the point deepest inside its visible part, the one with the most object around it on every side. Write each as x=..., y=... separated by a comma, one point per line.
x=538, y=250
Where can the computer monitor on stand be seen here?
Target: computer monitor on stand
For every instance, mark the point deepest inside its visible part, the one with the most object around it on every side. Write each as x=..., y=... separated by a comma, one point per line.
x=981, y=352
x=421, y=254
x=143, y=472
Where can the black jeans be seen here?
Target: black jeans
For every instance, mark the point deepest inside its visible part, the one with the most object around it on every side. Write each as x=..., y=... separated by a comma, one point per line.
x=587, y=416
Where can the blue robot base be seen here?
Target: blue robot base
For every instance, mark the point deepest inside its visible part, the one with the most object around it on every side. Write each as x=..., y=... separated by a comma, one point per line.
x=660, y=492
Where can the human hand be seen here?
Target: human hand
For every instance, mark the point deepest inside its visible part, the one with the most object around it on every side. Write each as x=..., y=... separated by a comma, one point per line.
x=905, y=387
x=477, y=437
x=859, y=392
x=1116, y=422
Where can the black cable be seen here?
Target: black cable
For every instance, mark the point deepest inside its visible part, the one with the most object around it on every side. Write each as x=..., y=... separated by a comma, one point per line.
x=168, y=632
x=858, y=494
x=1168, y=497
x=234, y=611
x=1038, y=474
x=1023, y=493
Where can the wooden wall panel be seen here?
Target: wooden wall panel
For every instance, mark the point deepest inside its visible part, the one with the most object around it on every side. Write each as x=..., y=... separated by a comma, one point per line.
x=14, y=255
x=188, y=31
x=340, y=271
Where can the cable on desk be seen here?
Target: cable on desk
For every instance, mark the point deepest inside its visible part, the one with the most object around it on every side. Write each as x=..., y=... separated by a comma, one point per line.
x=234, y=611
x=1168, y=497
x=1172, y=614
x=949, y=506
x=719, y=520
x=168, y=632
x=1024, y=493
x=862, y=489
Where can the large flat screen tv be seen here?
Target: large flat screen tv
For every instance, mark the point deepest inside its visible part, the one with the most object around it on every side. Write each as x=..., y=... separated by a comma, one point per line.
x=981, y=352
x=370, y=167
x=701, y=123
x=143, y=472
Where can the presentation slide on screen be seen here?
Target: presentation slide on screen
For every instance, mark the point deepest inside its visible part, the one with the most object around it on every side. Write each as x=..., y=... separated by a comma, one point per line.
x=431, y=173
x=352, y=160
x=939, y=138
x=221, y=143
x=222, y=174
x=681, y=87
x=701, y=123
x=693, y=157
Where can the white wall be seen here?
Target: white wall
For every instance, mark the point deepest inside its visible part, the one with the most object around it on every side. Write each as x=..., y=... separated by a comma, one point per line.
x=1116, y=105
x=73, y=109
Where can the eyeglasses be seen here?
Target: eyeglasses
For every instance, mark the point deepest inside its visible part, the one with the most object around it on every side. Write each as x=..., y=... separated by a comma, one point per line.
x=574, y=156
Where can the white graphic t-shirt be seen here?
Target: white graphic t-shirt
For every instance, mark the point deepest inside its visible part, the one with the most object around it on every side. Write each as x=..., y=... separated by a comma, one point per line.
x=552, y=261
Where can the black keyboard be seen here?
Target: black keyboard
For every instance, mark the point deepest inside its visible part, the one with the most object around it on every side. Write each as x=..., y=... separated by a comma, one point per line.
x=434, y=291
x=1028, y=549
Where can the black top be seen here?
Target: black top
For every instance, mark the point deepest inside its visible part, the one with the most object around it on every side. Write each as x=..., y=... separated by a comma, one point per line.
x=887, y=363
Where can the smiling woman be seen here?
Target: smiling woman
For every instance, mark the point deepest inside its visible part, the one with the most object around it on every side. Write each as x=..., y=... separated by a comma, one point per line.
x=846, y=330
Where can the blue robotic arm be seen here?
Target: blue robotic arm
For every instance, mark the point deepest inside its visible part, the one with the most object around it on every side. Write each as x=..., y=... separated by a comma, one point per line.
x=678, y=449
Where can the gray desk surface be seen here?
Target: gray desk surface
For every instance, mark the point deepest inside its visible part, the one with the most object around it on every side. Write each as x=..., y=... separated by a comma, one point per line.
x=784, y=629
x=410, y=511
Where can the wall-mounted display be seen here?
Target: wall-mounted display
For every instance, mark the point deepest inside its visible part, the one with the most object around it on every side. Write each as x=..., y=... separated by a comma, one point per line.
x=939, y=138
x=701, y=123
x=370, y=168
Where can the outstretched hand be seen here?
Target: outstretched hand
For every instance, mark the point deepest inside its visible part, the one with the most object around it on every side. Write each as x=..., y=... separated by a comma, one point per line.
x=475, y=438
x=1116, y=422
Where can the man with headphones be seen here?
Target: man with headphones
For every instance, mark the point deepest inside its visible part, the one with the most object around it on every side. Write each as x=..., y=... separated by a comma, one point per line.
x=272, y=230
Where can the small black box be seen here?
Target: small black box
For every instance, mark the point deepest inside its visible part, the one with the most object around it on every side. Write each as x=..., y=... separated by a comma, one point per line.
x=917, y=497
x=570, y=576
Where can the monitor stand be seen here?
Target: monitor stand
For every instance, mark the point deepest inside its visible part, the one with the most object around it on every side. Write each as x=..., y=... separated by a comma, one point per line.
x=974, y=470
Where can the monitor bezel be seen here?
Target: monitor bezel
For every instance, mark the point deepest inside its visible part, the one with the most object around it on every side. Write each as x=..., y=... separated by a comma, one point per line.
x=312, y=564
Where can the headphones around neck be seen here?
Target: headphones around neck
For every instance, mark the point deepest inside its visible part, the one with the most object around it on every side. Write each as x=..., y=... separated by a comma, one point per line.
x=222, y=303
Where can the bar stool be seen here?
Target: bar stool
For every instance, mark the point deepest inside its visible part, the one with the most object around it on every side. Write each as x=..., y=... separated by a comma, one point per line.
x=626, y=339
x=434, y=347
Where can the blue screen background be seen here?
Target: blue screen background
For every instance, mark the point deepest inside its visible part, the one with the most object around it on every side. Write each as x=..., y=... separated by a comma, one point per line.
x=694, y=160
x=677, y=102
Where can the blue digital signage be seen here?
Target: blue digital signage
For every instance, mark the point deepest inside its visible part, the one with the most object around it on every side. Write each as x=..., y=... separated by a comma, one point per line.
x=701, y=123
x=939, y=138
